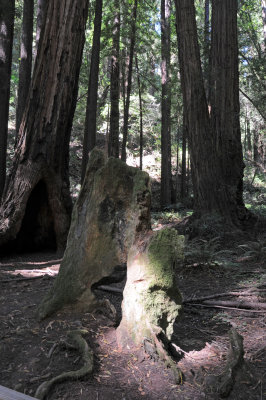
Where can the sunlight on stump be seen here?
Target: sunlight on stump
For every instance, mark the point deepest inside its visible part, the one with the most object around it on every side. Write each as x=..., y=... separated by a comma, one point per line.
x=112, y=210
x=152, y=300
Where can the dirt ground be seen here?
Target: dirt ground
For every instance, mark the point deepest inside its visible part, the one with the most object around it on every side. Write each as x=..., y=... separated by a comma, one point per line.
x=30, y=354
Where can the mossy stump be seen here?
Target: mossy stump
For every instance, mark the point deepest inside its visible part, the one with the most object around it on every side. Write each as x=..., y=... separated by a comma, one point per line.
x=151, y=299
x=112, y=210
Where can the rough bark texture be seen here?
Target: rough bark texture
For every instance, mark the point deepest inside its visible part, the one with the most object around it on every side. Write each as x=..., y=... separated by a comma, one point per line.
x=129, y=79
x=166, y=174
x=225, y=102
x=25, y=59
x=39, y=177
x=152, y=300
x=113, y=142
x=140, y=118
x=41, y=15
x=89, y=140
x=7, y=12
x=113, y=208
x=214, y=139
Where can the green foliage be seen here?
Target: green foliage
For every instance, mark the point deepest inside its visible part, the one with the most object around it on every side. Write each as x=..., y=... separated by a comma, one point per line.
x=205, y=252
x=254, y=251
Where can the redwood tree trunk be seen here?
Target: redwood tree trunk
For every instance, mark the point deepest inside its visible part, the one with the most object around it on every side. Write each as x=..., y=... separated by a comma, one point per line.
x=166, y=174
x=140, y=119
x=224, y=100
x=41, y=14
x=91, y=110
x=113, y=144
x=25, y=59
x=214, y=140
x=36, y=202
x=7, y=13
x=129, y=79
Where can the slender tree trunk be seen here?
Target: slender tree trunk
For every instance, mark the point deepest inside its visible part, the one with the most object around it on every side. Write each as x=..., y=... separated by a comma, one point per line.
x=206, y=50
x=7, y=13
x=166, y=174
x=140, y=118
x=263, y=8
x=129, y=79
x=89, y=140
x=113, y=145
x=25, y=59
x=183, y=185
x=41, y=14
x=36, y=203
x=214, y=141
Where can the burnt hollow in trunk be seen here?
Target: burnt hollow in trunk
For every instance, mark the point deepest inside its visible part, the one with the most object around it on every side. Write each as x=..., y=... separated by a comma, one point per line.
x=37, y=228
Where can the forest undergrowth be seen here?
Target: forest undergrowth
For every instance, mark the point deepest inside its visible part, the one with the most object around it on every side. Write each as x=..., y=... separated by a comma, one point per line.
x=223, y=283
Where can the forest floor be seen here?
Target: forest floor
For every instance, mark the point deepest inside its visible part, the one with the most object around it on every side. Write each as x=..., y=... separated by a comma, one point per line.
x=31, y=352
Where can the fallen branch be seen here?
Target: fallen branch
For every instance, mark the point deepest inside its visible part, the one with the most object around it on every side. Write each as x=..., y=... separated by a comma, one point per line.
x=237, y=304
x=217, y=295
x=109, y=289
x=226, y=308
x=81, y=345
x=26, y=279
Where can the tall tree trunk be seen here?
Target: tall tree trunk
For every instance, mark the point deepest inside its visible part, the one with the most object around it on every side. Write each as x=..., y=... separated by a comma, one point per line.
x=225, y=106
x=113, y=145
x=140, y=118
x=263, y=8
x=166, y=174
x=36, y=203
x=89, y=140
x=214, y=141
x=183, y=186
x=41, y=14
x=25, y=59
x=7, y=13
x=206, y=49
x=129, y=79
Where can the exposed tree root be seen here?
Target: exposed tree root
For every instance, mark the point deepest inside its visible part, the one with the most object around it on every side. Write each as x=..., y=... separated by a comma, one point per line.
x=81, y=345
x=234, y=361
x=157, y=348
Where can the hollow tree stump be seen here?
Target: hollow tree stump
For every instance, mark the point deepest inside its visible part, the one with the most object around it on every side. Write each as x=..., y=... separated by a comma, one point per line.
x=112, y=210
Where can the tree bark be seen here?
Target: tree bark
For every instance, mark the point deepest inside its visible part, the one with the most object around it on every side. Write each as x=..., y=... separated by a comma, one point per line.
x=140, y=118
x=214, y=139
x=36, y=201
x=25, y=59
x=89, y=140
x=183, y=186
x=225, y=106
x=112, y=211
x=129, y=79
x=113, y=145
x=166, y=174
x=7, y=13
x=41, y=15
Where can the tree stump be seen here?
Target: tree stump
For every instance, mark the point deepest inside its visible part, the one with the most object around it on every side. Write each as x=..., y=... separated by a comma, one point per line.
x=112, y=210
x=152, y=300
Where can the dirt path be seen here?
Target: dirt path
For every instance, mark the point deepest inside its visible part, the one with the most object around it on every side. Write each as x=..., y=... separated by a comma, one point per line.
x=29, y=351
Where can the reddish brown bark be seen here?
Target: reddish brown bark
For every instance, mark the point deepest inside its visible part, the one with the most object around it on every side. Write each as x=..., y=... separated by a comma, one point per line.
x=38, y=191
x=7, y=12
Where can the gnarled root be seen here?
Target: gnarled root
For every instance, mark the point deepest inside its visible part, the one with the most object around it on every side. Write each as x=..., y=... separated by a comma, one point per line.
x=81, y=345
x=234, y=362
